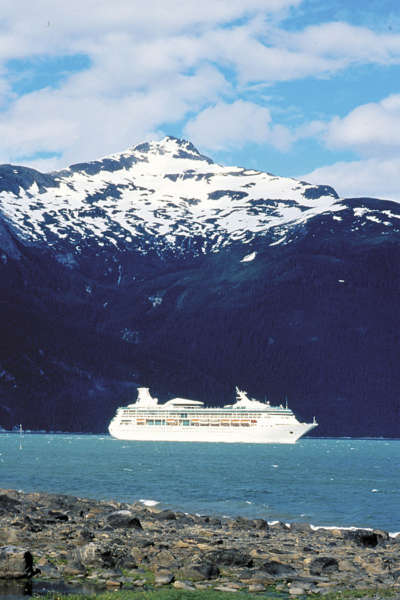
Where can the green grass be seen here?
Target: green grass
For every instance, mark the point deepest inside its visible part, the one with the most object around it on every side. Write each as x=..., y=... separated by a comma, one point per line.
x=168, y=594
x=209, y=594
x=360, y=593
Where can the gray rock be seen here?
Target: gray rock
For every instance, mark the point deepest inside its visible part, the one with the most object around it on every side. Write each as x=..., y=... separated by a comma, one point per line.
x=296, y=591
x=183, y=585
x=165, y=515
x=163, y=578
x=324, y=565
x=105, y=556
x=365, y=538
x=279, y=526
x=98, y=541
x=88, y=555
x=226, y=588
x=85, y=535
x=299, y=527
x=230, y=557
x=242, y=523
x=260, y=524
x=197, y=571
x=15, y=563
x=9, y=504
x=184, y=519
x=123, y=518
x=277, y=569
x=139, y=582
x=56, y=515
x=256, y=587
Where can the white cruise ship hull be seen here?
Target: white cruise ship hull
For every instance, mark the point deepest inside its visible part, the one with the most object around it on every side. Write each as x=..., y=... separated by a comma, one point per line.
x=262, y=435
x=246, y=421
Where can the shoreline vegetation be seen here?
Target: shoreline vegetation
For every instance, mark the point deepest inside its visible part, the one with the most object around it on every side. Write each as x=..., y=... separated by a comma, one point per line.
x=62, y=539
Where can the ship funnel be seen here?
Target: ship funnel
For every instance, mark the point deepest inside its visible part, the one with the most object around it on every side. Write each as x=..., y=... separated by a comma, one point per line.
x=145, y=398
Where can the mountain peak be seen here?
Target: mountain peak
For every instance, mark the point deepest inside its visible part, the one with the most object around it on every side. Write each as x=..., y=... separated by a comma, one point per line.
x=172, y=146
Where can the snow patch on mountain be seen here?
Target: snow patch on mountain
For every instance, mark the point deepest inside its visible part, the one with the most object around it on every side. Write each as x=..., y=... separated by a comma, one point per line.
x=249, y=257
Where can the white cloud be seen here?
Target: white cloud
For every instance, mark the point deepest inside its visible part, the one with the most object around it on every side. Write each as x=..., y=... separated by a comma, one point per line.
x=255, y=59
x=45, y=26
x=372, y=177
x=224, y=126
x=346, y=42
x=154, y=63
x=371, y=129
x=150, y=64
x=82, y=123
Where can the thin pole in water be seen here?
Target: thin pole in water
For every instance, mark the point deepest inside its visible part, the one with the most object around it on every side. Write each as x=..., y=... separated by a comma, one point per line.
x=20, y=436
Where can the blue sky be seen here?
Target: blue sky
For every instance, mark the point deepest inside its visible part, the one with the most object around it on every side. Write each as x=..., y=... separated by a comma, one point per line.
x=303, y=88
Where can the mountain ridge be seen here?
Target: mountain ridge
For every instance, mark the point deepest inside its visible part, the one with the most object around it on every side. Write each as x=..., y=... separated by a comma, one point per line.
x=164, y=188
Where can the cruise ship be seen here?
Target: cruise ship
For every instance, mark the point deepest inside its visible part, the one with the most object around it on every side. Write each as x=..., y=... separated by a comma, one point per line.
x=181, y=420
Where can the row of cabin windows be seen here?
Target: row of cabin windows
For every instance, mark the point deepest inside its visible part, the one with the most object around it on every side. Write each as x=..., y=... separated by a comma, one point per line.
x=202, y=415
x=188, y=423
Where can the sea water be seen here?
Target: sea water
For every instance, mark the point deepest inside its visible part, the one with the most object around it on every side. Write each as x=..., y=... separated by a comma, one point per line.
x=329, y=482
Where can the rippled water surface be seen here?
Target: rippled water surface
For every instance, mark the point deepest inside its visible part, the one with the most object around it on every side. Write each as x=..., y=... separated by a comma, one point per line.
x=323, y=481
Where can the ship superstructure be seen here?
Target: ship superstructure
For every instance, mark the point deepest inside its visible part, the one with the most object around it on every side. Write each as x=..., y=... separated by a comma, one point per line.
x=182, y=420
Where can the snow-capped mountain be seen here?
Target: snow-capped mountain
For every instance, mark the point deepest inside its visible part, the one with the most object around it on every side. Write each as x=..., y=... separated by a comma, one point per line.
x=158, y=267
x=166, y=190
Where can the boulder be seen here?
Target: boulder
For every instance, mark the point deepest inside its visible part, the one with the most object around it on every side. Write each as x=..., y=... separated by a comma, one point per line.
x=323, y=565
x=165, y=515
x=260, y=524
x=104, y=556
x=56, y=515
x=367, y=538
x=242, y=523
x=183, y=585
x=8, y=504
x=125, y=519
x=230, y=557
x=163, y=578
x=15, y=563
x=277, y=569
x=184, y=519
x=199, y=570
x=164, y=558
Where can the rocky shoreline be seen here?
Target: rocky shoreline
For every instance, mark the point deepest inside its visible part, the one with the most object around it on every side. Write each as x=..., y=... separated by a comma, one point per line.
x=59, y=537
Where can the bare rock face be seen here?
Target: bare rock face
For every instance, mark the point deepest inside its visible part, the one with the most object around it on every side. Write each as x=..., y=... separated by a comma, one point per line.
x=15, y=563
